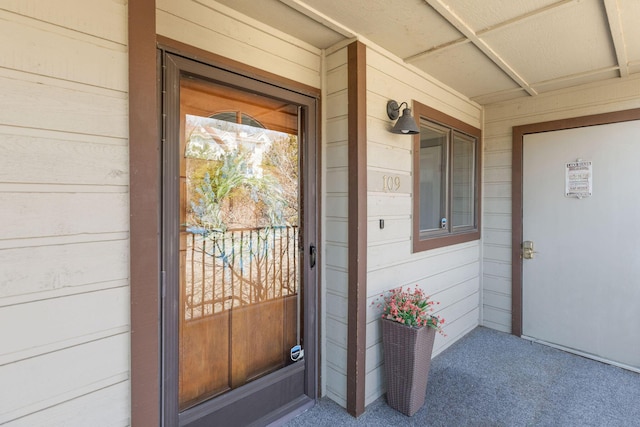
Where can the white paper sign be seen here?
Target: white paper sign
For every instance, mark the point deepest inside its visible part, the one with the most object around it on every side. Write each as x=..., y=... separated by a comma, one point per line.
x=578, y=179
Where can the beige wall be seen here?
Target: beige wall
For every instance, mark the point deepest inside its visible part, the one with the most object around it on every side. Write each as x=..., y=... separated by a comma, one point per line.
x=64, y=288
x=335, y=226
x=451, y=274
x=614, y=95
x=215, y=28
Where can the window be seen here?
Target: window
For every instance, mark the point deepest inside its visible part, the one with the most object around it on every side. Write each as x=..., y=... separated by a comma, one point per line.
x=446, y=180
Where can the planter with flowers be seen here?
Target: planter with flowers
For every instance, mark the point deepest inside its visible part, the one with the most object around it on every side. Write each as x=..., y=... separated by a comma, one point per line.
x=408, y=333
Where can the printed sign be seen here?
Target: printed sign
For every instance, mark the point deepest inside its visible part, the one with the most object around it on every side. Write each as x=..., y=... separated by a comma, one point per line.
x=579, y=179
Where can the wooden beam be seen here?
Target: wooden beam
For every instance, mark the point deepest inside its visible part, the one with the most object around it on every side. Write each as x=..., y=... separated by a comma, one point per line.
x=617, y=35
x=357, y=190
x=144, y=197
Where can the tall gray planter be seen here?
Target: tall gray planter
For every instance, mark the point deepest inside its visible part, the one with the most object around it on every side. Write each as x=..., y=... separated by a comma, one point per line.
x=407, y=359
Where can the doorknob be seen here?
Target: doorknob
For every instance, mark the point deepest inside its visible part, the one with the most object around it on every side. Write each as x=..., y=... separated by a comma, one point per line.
x=527, y=250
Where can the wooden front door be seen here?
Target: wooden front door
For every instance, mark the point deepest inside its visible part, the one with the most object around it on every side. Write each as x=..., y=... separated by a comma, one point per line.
x=239, y=232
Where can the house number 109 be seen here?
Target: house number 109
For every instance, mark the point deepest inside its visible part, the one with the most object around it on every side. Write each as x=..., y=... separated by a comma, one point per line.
x=390, y=183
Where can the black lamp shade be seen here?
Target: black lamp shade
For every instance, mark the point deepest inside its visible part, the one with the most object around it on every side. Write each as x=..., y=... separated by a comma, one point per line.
x=406, y=124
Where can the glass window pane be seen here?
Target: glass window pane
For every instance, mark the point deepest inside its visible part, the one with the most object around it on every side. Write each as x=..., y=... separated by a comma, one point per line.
x=239, y=233
x=447, y=186
x=433, y=177
x=463, y=171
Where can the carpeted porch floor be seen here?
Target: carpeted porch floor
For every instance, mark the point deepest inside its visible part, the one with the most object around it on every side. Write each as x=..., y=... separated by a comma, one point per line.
x=490, y=378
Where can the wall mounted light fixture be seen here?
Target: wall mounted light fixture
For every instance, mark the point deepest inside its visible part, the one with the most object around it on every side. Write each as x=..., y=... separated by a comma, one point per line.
x=405, y=124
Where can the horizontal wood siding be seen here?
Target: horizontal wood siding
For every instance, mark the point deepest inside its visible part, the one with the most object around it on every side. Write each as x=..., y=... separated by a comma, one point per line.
x=336, y=228
x=500, y=118
x=64, y=281
x=215, y=28
x=450, y=274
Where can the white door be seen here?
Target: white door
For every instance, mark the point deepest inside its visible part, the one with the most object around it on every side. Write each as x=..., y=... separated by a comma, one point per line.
x=581, y=289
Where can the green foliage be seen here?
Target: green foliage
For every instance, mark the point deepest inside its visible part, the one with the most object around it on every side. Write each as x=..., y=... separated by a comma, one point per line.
x=229, y=185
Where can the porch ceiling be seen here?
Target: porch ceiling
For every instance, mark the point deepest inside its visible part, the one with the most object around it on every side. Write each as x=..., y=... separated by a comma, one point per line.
x=489, y=50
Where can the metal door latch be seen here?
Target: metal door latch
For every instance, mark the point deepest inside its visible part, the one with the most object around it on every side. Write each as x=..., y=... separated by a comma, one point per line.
x=527, y=250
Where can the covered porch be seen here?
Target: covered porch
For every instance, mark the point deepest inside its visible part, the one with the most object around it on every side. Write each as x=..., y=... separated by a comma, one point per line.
x=90, y=174
x=491, y=378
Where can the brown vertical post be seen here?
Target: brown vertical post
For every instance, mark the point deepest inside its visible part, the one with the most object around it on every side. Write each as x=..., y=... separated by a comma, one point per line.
x=516, y=232
x=144, y=197
x=357, y=190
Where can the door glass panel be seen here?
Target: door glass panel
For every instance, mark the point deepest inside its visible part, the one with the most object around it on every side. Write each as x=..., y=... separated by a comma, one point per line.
x=433, y=177
x=463, y=166
x=239, y=231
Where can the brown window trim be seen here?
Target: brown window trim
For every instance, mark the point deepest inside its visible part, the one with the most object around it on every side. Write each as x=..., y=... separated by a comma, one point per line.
x=420, y=244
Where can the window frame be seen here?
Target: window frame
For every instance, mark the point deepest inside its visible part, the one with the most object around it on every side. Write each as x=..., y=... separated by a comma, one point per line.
x=424, y=240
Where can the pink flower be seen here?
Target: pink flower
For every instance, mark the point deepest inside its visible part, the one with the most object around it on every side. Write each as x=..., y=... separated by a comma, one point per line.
x=410, y=307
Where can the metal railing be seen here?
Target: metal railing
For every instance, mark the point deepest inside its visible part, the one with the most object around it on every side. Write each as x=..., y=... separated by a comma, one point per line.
x=238, y=267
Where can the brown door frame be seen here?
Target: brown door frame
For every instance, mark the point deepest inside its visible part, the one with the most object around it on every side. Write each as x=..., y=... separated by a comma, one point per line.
x=517, y=195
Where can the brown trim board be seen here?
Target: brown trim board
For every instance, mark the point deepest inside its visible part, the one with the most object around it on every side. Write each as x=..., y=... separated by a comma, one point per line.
x=210, y=58
x=517, y=195
x=357, y=190
x=144, y=199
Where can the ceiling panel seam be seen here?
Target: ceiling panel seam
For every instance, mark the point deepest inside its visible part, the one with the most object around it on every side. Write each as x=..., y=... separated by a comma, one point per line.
x=504, y=24
x=575, y=76
x=440, y=48
x=521, y=18
x=319, y=17
x=498, y=95
x=447, y=13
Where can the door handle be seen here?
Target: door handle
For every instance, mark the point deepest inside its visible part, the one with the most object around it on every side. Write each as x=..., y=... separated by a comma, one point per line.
x=527, y=250
x=312, y=256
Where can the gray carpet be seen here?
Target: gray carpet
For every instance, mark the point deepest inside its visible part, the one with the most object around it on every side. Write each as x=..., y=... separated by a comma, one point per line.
x=490, y=378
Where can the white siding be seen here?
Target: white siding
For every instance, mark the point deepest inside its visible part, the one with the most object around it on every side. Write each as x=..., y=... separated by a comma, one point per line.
x=335, y=283
x=500, y=118
x=451, y=274
x=215, y=28
x=64, y=289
